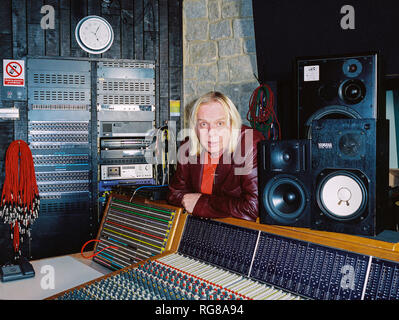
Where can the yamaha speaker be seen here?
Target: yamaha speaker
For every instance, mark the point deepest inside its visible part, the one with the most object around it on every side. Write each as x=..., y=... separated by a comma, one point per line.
x=284, y=182
x=337, y=87
x=350, y=172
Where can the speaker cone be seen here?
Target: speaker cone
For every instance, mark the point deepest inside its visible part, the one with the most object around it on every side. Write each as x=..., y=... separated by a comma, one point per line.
x=284, y=198
x=352, y=91
x=342, y=195
x=352, y=68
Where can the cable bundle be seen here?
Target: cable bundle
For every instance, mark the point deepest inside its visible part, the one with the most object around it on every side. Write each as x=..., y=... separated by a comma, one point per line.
x=261, y=113
x=165, y=152
x=20, y=202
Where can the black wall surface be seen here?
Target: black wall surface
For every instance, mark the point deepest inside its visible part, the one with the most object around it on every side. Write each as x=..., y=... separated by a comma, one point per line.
x=144, y=30
x=286, y=29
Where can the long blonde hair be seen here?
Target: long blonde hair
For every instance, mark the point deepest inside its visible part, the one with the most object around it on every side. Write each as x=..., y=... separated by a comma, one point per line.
x=233, y=119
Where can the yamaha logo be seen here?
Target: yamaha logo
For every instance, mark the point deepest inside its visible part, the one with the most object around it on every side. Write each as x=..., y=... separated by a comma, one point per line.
x=324, y=145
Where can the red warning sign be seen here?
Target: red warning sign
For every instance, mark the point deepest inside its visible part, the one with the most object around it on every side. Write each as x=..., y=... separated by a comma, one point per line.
x=14, y=73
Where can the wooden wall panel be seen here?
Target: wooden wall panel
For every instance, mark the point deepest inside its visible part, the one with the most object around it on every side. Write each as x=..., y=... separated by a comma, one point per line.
x=138, y=15
x=65, y=28
x=126, y=30
x=175, y=54
x=144, y=30
x=78, y=11
x=163, y=60
x=6, y=35
x=52, y=36
x=35, y=36
x=19, y=45
x=150, y=29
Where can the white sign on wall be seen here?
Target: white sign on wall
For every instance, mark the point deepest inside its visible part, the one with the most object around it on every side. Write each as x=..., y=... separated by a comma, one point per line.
x=14, y=73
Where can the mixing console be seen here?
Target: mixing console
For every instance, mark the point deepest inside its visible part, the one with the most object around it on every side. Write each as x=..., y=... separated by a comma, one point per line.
x=221, y=261
x=132, y=232
x=176, y=277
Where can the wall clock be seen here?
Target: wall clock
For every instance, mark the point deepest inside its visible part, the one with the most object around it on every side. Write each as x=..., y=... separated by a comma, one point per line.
x=94, y=34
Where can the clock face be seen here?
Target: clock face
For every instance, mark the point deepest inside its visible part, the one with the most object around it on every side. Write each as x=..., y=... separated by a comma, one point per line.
x=94, y=34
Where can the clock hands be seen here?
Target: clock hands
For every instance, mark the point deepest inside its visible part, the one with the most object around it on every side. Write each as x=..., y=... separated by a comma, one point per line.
x=95, y=33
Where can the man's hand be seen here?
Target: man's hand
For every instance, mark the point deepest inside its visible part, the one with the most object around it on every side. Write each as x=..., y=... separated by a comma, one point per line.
x=189, y=200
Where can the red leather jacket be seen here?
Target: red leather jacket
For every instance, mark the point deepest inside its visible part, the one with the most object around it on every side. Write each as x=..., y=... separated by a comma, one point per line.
x=235, y=189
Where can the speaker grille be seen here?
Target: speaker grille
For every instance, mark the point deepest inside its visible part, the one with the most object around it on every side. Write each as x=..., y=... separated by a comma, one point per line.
x=351, y=145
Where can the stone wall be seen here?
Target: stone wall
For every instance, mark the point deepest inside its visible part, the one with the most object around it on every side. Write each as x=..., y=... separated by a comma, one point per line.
x=219, y=50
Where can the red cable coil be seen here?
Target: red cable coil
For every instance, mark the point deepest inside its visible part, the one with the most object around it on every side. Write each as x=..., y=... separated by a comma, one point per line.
x=19, y=204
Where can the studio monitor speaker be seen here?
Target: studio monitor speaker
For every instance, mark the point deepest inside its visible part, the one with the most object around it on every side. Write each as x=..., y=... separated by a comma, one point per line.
x=337, y=87
x=284, y=182
x=350, y=172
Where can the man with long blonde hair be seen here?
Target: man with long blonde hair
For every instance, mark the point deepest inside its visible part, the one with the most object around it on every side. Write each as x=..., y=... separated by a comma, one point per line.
x=216, y=173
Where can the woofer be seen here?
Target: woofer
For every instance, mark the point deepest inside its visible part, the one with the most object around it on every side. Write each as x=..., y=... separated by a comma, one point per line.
x=342, y=195
x=285, y=198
